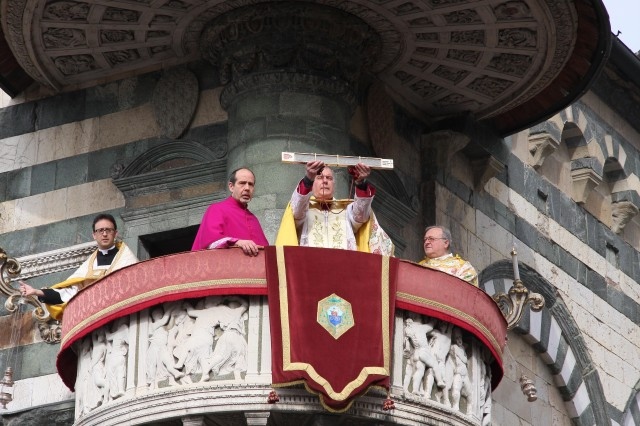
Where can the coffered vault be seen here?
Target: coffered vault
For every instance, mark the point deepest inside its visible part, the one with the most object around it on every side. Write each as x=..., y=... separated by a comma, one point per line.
x=507, y=63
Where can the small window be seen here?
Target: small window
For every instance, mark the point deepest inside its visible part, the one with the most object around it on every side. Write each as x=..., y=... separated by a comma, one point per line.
x=612, y=255
x=169, y=242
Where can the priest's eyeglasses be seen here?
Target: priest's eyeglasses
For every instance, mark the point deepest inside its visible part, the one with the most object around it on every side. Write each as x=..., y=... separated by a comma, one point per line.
x=104, y=231
x=432, y=239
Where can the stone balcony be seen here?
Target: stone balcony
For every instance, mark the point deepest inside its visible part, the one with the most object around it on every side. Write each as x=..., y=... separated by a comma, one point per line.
x=190, y=339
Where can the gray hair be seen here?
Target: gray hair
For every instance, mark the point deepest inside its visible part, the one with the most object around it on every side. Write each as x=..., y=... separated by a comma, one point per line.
x=445, y=233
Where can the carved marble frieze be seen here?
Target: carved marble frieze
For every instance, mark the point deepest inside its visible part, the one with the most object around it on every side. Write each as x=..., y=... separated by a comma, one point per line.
x=217, y=348
x=444, y=57
x=180, y=343
x=290, y=45
x=442, y=365
x=290, y=35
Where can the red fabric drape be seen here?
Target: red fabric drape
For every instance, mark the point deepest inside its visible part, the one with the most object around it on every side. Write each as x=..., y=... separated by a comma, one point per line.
x=338, y=369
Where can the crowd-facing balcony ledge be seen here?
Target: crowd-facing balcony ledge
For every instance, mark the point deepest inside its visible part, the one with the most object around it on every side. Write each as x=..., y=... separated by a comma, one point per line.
x=217, y=337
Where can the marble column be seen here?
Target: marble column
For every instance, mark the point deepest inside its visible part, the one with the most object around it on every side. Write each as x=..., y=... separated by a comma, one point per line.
x=193, y=421
x=293, y=72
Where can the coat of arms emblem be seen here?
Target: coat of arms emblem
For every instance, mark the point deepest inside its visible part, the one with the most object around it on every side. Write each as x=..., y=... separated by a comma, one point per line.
x=335, y=315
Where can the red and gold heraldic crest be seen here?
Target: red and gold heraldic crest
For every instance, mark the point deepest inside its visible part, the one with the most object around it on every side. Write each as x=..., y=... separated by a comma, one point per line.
x=331, y=322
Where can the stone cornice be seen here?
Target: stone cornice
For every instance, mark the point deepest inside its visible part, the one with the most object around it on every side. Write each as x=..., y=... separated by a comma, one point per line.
x=288, y=81
x=166, y=180
x=48, y=262
x=239, y=398
x=198, y=204
x=619, y=84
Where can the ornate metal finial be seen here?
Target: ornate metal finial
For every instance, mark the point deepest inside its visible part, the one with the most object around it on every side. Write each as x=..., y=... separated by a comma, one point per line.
x=6, y=388
x=513, y=303
x=528, y=388
x=10, y=268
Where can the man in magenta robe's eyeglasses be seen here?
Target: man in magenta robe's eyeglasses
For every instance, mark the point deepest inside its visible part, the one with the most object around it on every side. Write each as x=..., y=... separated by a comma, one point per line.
x=229, y=223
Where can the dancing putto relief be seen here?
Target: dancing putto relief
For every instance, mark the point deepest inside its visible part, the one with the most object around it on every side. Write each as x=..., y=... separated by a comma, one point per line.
x=442, y=364
x=201, y=341
x=185, y=342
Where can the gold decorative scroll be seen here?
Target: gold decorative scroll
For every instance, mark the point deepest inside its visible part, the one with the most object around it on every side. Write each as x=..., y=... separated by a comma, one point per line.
x=337, y=160
x=11, y=268
x=513, y=303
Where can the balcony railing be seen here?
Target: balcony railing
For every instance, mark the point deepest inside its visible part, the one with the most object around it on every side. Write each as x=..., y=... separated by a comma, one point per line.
x=217, y=334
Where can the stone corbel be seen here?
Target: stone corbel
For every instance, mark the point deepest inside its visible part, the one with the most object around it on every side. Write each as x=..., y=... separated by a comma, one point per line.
x=447, y=143
x=484, y=169
x=541, y=145
x=259, y=418
x=621, y=213
x=584, y=181
x=50, y=331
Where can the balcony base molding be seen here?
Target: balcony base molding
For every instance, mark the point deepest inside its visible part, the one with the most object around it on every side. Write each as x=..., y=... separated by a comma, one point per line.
x=233, y=405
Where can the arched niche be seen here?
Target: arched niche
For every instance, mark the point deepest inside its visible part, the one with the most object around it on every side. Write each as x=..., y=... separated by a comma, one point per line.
x=557, y=341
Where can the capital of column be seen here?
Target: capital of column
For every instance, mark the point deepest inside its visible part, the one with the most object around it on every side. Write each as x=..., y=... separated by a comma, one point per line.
x=293, y=46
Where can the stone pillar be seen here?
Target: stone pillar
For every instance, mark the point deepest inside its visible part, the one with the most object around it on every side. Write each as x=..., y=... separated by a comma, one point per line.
x=193, y=421
x=292, y=74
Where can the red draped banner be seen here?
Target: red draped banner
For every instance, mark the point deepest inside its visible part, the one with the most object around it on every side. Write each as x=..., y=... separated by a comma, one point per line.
x=331, y=321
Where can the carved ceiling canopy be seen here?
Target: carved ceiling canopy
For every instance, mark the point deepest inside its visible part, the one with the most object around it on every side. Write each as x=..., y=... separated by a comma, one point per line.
x=488, y=58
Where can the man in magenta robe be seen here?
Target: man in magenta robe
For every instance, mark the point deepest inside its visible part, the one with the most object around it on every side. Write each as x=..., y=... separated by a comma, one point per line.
x=229, y=223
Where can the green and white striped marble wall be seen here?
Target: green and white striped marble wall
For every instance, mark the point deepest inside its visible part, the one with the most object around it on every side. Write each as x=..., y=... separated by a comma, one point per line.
x=58, y=156
x=586, y=342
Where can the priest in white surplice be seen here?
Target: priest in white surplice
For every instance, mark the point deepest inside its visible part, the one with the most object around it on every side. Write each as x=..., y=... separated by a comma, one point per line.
x=315, y=219
x=109, y=256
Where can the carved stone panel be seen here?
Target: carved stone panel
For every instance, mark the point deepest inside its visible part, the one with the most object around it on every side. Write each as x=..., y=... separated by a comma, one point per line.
x=175, y=98
x=213, y=354
x=271, y=44
x=442, y=365
x=621, y=213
